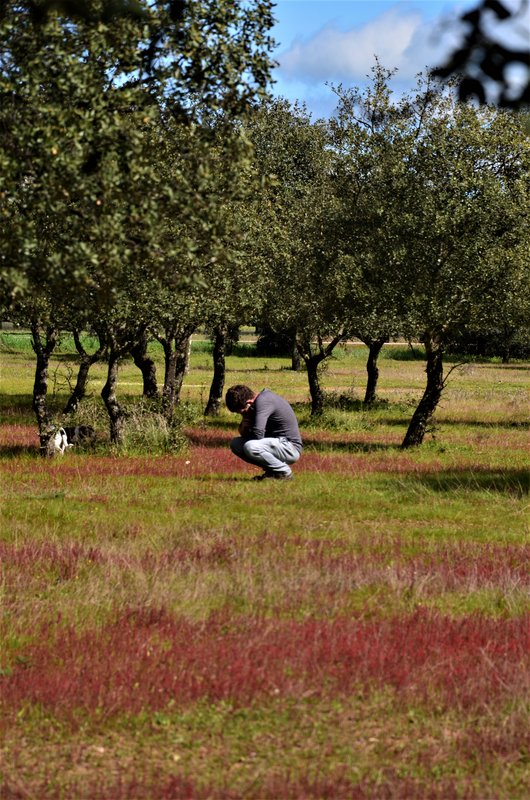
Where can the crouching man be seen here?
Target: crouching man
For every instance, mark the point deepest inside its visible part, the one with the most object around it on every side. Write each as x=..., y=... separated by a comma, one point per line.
x=269, y=434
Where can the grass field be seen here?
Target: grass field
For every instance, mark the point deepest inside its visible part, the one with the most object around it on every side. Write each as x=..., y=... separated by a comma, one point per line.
x=171, y=629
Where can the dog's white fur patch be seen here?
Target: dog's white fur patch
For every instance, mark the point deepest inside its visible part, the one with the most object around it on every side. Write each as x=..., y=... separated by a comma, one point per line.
x=60, y=441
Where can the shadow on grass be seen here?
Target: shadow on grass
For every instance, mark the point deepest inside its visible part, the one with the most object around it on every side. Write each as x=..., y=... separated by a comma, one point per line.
x=210, y=437
x=522, y=367
x=213, y=425
x=403, y=353
x=514, y=482
x=417, y=353
x=468, y=423
x=332, y=446
x=222, y=478
x=265, y=368
x=18, y=450
x=209, y=440
x=16, y=402
x=334, y=401
x=19, y=407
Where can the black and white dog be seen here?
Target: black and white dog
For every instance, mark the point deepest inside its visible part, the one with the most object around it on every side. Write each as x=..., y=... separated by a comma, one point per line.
x=70, y=436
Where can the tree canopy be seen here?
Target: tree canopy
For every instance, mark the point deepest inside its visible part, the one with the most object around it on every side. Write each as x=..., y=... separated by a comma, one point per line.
x=80, y=96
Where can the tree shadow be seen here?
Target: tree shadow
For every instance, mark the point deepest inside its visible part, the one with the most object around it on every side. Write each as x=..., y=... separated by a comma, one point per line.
x=404, y=353
x=214, y=437
x=71, y=358
x=210, y=438
x=17, y=450
x=17, y=403
x=334, y=401
x=218, y=424
x=471, y=423
x=224, y=478
x=321, y=445
x=265, y=368
x=15, y=407
x=514, y=482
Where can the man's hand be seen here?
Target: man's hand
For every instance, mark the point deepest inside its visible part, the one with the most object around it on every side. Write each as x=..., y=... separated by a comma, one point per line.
x=247, y=420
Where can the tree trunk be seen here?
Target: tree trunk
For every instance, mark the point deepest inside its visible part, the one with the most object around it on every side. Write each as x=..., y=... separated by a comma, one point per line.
x=507, y=340
x=182, y=351
x=146, y=366
x=85, y=363
x=176, y=357
x=80, y=386
x=431, y=396
x=315, y=389
x=43, y=351
x=374, y=348
x=169, y=371
x=108, y=393
x=215, y=398
x=312, y=361
x=296, y=361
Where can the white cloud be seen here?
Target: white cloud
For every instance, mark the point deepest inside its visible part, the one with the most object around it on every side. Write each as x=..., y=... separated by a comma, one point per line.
x=398, y=37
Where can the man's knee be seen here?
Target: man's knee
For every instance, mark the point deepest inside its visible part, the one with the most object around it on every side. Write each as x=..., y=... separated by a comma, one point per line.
x=249, y=448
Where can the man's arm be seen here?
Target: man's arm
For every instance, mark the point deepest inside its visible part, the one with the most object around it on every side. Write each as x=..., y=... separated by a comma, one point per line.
x=245, y=425
x=263, y=409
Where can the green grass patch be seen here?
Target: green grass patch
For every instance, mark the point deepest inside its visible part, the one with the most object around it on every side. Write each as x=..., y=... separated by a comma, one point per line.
x=348, y=747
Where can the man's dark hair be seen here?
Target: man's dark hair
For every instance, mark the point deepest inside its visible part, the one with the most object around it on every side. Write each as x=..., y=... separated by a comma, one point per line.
x=238, y=396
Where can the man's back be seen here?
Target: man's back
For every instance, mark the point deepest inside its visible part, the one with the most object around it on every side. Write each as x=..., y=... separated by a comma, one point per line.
x=274, y=417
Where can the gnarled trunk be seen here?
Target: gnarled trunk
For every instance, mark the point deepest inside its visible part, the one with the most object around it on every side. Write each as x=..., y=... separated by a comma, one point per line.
x=296, y=361
x=121, y=340
x=43, y=343
x=176, y=344
x=80, y=386
x=374, y=348
x=168, y=390
x=431, y=396
x=146, y=366
x=85, y=363
x=315, y=388
x=182, y=352
x=215, y=398
x=313, y=360
x=108, y=393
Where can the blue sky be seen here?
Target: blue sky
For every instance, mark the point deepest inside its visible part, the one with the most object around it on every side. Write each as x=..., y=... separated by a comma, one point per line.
x=336, y=41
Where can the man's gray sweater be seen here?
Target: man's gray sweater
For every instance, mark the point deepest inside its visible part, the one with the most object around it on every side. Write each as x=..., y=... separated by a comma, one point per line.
x=274, y=417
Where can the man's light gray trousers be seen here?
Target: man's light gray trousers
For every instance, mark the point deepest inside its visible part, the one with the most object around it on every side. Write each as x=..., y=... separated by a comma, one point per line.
x=273, y=455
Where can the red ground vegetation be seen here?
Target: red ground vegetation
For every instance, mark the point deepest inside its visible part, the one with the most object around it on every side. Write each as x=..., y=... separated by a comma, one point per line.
x=203, y=460
x=148, y=657
x=19, y=436
x=64, y=557
x=446, y=567
x=209, y=454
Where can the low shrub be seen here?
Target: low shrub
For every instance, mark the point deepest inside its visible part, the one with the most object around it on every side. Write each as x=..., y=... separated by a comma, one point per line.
x=149, y=428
